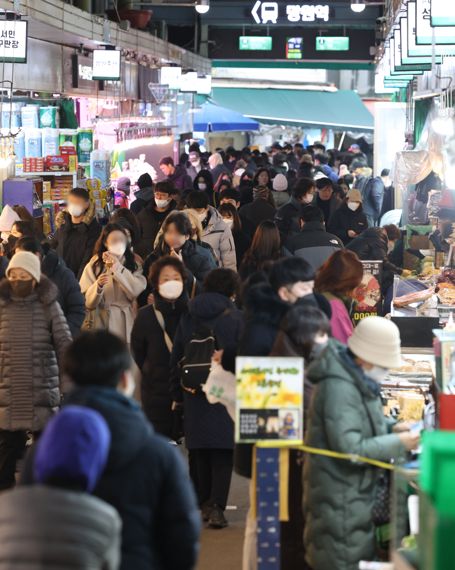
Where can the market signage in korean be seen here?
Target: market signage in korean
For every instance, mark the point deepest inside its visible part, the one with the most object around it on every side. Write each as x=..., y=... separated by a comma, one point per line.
x=442, y=13
x=272, y=12
x=13, y=41
x=367, y=298
x=106, y=64
x=269, y=399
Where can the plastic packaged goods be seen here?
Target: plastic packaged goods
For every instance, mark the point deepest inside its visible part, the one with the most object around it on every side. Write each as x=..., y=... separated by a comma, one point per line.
x=33, y=143
x=48, y=117
x=12, y=112
x=50, y=141
x=84, y=144
x=68, y=137
x=30, y=116
x=19, y=147
x=100, y=166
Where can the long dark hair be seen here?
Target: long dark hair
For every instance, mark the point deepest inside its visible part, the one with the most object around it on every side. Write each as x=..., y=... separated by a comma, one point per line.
x=182, y=224
x=100, y=248
x=266, y=245
x=231, y=210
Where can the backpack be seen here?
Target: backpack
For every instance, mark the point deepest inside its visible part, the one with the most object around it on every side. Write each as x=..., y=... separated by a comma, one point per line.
x=197, y=359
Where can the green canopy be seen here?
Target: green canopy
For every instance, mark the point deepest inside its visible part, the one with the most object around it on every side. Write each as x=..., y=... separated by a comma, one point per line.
x=339, y=110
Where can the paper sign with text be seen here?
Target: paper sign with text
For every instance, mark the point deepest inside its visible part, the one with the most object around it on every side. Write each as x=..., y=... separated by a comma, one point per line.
x=269, y=399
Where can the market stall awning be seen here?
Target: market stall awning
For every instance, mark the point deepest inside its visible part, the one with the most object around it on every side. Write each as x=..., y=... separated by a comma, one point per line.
x=340, y=110
x=211, y=118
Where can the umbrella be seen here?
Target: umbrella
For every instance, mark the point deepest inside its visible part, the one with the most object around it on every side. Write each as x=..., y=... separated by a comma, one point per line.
x=211, y=117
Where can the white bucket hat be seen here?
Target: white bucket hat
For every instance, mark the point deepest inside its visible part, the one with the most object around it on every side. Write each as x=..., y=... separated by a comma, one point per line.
x=377, y=341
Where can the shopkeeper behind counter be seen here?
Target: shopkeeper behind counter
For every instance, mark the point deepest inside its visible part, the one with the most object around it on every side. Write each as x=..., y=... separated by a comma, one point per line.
x=346, y=416
x=78, y=231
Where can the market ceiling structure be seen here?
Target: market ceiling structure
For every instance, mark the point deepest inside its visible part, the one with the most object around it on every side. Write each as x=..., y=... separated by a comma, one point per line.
x=216, y=33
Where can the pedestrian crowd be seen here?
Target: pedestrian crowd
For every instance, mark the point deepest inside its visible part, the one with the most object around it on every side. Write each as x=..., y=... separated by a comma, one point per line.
x=236, y=253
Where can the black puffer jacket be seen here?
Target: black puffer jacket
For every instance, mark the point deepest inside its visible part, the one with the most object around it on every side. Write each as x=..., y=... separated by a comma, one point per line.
x=344, y=219
x=69, y=296
x=206, y=426
x=372, y=246
x=74, y=243
x=287, y=218
x=150, y=222
x=153, y=359
x=147, y=482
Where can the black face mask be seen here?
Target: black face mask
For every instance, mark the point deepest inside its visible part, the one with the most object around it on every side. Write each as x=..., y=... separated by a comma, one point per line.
x=22, y=288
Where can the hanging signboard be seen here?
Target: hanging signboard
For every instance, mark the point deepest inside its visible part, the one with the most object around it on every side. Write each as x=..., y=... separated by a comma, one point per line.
x=404, y=53
x=442, y=13
x=106, y=64
x=13, y=41
x=277, y=12
x=397, y=62
x=415, y=49
x=368, y=296
x=443, y=35
x=403, y=70
x=269, y=399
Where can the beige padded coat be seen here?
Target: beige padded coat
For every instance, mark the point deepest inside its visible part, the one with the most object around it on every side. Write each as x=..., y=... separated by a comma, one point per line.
x=33, y=337
x=118, y=296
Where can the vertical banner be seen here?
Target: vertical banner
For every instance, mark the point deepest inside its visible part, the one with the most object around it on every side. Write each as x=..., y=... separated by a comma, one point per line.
x=269, y=399
x=268, y=507
x=368, y=295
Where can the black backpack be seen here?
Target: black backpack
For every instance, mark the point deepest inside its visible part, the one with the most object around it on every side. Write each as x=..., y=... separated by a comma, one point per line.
x=197, y=359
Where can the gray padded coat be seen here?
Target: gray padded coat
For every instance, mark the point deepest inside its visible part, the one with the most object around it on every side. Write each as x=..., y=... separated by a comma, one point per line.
x=45, y=528
x=33, y=336
x=345, y=416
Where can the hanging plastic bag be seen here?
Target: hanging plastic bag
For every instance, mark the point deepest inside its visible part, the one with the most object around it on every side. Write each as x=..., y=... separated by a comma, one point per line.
x=220, y=388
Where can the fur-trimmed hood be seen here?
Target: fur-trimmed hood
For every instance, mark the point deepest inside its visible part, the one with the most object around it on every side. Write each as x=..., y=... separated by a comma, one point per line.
x=63, y=217
x=46, y=292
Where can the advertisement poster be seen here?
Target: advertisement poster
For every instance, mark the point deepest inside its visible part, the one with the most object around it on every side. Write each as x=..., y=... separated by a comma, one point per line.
x=269, y=399
x=367, y=298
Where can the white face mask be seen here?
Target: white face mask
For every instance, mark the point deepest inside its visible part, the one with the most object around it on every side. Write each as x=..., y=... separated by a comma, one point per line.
x=229, y=222
x=171, y=290
x=353, y=206
x=308, y=198
x=75, y=210
x=162, y=203
x=202, y=186
x=117, y=249
x=377, y=373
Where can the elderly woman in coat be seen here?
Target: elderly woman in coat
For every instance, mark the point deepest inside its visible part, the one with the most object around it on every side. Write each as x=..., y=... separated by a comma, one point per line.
x=111, y=283
x=346, y=417
x=33, y=337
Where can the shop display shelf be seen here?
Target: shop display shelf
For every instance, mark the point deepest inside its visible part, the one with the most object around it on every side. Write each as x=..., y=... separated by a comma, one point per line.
x=28, y=174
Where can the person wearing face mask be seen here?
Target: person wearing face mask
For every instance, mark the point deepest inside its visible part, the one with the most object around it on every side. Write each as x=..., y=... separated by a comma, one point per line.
x=152, y=340
x=152, y=217
x=176, y=239
x=33, y=337
x=195, y=165
x=214, y=231
x=349, y=221
x=287, y=217
x=75, y=238
x=145, y=478
x=346, y=416
x=313, y=243
x=111, y=283
x=337, y=279
x=209, y=430
x=203, y=182
x=232, y=219
x=303, y=332
x=19, y=229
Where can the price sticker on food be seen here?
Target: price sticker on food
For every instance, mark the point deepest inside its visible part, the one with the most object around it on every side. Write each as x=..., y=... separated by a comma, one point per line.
x=269, y=399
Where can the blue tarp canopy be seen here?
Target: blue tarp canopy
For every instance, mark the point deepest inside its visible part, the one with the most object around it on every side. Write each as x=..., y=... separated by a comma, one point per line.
x=211, y=118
